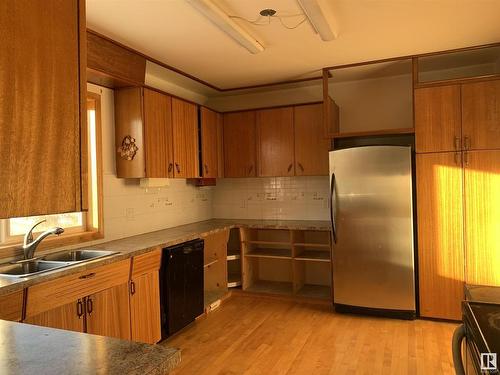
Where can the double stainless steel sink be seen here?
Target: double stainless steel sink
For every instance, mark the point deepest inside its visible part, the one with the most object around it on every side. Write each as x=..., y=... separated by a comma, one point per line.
x=51, y=262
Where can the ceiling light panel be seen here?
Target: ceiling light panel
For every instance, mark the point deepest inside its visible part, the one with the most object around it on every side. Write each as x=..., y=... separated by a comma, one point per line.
x=317, y=19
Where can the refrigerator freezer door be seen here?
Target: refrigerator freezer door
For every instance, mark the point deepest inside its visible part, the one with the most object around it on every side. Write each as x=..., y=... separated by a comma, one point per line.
x=373, y=263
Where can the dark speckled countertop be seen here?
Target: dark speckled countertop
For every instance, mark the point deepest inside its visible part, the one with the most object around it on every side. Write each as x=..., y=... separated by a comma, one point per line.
x=27, y=349
x=135, y=245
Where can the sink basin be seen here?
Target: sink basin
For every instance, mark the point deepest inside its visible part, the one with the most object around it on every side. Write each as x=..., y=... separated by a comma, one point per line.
x=29, y=268
x=73, y=256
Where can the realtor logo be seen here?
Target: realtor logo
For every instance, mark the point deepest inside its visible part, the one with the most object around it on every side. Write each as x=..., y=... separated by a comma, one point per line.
x=488, y=361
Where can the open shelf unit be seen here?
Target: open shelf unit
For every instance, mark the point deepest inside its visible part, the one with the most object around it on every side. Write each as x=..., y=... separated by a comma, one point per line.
x=234, y=259
x=286, y=262
x=215, y=267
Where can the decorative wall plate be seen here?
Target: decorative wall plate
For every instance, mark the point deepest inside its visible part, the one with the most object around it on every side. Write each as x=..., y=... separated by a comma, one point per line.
x=128, y=149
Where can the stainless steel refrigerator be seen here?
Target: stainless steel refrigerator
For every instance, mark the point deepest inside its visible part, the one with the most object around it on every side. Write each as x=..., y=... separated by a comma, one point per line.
x=372, y=229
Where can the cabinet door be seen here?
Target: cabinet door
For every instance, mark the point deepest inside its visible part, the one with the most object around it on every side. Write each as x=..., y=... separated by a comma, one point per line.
x=145, y=308
x=481, y=115
x=185, y=138
x=209, y=142
x=239, y=144
x=69, y=317
x=108, y=312
x=40, y=93
x=158, y=134
x=311, y=148
x=11, y=306
x=437, y=119
x=440, y=234
x=275, y=142
x=482, y=217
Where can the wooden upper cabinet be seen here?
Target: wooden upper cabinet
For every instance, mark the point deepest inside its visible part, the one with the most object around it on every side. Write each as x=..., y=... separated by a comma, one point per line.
x=481, y=115
x=311, y=148
x=239, y=144
x=482, y=217
x=42, y=88
x=158, y=134
x=438, y=119
x=185, y=138
x=440, y=235
x=210, y=121
x=275, y=142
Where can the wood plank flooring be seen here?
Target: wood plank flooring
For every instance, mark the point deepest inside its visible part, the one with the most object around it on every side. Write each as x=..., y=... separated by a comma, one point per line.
x=259, y=335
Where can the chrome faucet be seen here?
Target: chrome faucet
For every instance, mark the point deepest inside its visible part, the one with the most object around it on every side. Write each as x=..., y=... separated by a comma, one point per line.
x=30, y=245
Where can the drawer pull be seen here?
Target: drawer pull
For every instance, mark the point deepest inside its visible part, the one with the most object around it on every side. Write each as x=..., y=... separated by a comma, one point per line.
x=90, y=306
x=88, y=276
x=79, y=309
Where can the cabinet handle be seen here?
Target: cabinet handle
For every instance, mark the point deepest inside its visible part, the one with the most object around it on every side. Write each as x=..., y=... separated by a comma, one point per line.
x=88, y=276
x=206, y=169
x=466, y=159
x=301, y=167
x=170, y=166
x=457, y=143
x=132, y=287
x=467, y=142
x=457, y=158
x=178, y=168
x=90, y=306
x=79, y=309
x=250, y=169
x=290, y=167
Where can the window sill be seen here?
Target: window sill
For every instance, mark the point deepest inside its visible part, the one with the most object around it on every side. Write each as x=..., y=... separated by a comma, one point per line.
x=14, y=250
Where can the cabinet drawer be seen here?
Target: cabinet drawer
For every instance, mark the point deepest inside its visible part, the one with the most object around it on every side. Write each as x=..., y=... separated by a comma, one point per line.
x=11, y=306
x=146, y=263
x=46, y=296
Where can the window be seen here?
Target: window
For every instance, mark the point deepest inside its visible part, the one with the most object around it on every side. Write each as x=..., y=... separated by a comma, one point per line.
x=78, y=226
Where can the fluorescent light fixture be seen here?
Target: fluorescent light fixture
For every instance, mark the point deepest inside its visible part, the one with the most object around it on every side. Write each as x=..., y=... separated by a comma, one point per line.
x=227, y=25
x=317, y=19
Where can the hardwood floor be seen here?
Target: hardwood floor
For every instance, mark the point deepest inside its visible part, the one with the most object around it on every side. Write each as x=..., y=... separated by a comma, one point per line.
x=259, y=335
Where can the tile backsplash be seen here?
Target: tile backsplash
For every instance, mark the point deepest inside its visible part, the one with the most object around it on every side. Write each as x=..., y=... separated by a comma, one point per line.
x=292, y=198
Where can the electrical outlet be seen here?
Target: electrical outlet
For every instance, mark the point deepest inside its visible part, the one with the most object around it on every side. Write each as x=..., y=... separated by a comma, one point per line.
x=130, y=213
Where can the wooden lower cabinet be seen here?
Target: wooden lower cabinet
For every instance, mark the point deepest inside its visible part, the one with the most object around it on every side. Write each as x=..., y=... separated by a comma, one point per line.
x=69, y=317
x=440, y=235
x=108, y=312
x=11, y=306
x=145, y=308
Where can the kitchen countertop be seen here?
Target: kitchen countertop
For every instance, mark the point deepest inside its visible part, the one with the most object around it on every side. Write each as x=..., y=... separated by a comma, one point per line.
x=482, y=293
x=28, y=349
x=135, y=245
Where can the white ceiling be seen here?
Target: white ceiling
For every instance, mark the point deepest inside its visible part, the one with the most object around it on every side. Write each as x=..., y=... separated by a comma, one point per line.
x=173, y=32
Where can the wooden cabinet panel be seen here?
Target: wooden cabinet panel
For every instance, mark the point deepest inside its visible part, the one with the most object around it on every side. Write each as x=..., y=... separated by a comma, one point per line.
x=145, y=308
x=481, y=115
x=311, y=148
x=239, y=144
x=158, y=134
x=62, y=317
x=108, y=312
x=40, y=97
x=146, y=263
x=440, y=235
x=275, y=143
x=45, y=296
x=437, y=119
x=482, y=217
x=11, y=306
x=185, y=138
x=209, y=142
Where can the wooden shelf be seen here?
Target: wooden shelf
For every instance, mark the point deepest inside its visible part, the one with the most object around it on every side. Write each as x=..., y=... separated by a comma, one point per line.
x=317, y=245
x=315, y=291
x=374, y=133
x=314, y=255
x=271, y=287
x=210, y=261
x=234, y=257
x=233, y=280
x=268, y=242
x=270, y=253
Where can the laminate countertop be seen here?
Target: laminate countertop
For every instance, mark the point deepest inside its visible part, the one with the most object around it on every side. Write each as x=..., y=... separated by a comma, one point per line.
x=136, y=245
x=28, y=349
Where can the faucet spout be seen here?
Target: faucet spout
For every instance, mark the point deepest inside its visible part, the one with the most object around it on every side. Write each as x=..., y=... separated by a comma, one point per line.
x=30, y=245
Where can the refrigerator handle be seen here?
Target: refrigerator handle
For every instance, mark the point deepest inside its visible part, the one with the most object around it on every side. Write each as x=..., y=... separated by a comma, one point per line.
x=333, y=206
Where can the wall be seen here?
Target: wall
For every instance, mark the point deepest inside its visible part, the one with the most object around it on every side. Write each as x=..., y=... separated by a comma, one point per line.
x=292, y=198
x=130, y=209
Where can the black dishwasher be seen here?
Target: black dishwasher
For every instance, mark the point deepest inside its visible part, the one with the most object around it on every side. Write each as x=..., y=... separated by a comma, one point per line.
x=181, y=286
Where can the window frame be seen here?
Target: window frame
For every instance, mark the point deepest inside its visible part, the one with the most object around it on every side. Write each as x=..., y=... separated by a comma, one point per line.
x=10, y=246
